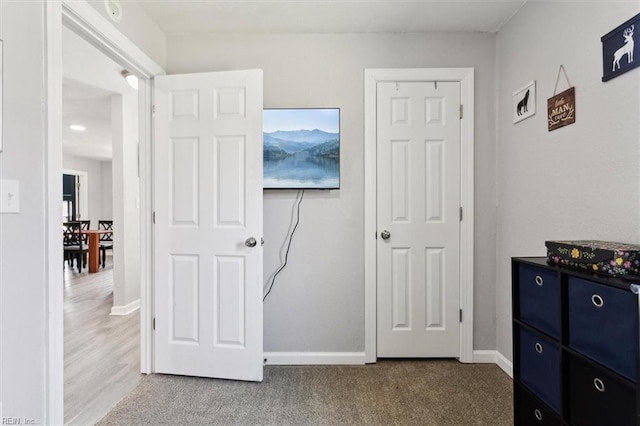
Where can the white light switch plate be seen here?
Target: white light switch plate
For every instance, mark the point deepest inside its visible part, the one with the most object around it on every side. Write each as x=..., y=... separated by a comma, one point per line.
x=9, y=196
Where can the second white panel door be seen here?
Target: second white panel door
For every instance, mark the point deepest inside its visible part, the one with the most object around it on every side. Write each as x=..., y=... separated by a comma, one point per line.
x=418, y=219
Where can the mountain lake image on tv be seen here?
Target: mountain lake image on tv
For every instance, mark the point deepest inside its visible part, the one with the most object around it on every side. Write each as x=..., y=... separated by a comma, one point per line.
x=301, y=148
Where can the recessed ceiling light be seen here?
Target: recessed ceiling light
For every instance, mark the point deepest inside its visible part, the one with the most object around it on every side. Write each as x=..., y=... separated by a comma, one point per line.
x=77, y=128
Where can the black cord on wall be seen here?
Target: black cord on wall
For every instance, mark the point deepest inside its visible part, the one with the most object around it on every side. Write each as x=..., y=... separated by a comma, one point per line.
x=299, y=197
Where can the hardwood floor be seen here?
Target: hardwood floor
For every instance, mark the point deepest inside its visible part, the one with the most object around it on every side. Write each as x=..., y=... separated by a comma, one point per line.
x=101, y=351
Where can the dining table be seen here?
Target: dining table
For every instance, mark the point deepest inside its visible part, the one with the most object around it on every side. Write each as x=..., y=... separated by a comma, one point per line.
x=93, y=238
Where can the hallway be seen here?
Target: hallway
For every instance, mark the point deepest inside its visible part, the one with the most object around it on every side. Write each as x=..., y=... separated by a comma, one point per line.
x=101, y=351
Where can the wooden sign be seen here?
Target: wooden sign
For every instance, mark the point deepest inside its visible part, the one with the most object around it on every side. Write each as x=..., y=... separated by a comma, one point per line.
x=561, y=109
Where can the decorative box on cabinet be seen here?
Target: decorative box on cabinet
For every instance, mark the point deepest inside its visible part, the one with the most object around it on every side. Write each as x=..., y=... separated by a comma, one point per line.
x=575, y=346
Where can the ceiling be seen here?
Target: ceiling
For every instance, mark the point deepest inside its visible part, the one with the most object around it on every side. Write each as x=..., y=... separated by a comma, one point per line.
x=90, y=79
x=90, y=107
x=190, y=17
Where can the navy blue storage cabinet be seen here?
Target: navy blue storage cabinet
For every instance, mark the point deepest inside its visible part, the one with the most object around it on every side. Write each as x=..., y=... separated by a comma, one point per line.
x=540, y=366
x=597, y=325
x=539, y=301
x=575, y=346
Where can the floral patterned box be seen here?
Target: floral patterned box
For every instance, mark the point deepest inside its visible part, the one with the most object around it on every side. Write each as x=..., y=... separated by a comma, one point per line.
x=603, y=257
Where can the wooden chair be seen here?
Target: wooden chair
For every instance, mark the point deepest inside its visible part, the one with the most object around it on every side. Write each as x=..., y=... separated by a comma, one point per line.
x=106, y=240
x=74, y=244
x=86, y=224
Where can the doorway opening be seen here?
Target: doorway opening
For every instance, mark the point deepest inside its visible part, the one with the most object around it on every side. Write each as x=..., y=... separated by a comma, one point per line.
x=70, y=198
x=81, y=18
x=101, y=318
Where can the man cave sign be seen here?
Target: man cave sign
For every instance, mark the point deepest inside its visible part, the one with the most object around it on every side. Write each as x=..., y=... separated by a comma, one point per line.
x=561, y=109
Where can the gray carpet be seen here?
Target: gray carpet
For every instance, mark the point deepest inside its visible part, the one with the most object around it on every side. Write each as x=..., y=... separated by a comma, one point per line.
x=392, y=392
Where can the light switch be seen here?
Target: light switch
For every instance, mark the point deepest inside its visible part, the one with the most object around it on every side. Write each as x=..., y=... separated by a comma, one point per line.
x=9, y=196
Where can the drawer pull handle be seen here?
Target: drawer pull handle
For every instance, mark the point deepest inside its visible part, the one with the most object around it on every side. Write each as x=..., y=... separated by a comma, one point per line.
x=538, y=348
x=538, y=414
x=539, y=280
x=599, y=384
x=597, y=301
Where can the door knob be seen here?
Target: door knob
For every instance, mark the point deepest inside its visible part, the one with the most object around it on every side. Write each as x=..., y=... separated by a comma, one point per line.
x=250, y=242
x=385, y=234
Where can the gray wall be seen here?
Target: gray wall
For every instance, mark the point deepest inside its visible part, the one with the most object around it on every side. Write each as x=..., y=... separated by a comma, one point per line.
x=317, y=304
x=578, y=182
x=23, y=261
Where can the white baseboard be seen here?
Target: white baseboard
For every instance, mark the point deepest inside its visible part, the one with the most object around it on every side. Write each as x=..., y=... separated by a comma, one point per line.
x=494, y=357
x=484, y=357
x=358, y=358
x=126, y=309
x=504, y=364
x=314, y=358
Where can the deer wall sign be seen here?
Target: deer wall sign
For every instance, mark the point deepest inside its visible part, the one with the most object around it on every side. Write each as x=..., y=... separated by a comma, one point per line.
x=627, y=49
x=619, y=49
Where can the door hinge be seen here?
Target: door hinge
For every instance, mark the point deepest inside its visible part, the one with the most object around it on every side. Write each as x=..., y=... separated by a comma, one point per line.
x=460, y=213
x=461, y=111
x=153, y=110
x=460, y=315
x=154, y=324
x=153, y=217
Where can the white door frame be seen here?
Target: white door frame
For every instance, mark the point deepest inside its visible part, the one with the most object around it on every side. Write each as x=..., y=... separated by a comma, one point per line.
x=465, y=76
x=87, y=22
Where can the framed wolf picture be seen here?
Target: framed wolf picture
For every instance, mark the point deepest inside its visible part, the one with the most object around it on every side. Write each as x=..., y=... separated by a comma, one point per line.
x=524, y=102
x=620, y=49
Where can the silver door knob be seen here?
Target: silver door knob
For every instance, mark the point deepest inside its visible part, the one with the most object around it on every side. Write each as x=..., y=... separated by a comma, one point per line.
x=385, y=234
x=250, y=242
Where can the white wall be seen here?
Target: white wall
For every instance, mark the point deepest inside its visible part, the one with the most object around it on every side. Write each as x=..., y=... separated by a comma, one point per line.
x=578, y=182
x=106, y=172
x=318, y=300
x=126, y=198
x=97, y=187
x=24, y=268
x=137, y=27
x=23, y=261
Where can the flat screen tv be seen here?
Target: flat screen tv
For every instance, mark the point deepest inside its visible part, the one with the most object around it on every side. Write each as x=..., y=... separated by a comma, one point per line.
x=301, y=148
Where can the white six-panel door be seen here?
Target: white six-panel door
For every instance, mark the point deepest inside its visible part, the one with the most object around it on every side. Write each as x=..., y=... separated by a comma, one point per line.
x=418, y=201
x=208, y=207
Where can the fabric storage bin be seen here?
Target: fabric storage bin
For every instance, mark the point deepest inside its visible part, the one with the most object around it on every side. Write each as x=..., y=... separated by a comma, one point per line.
x=540, y=367
x=603, y=325
x=539, y=298
x=533, y=412
x=597, y=397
